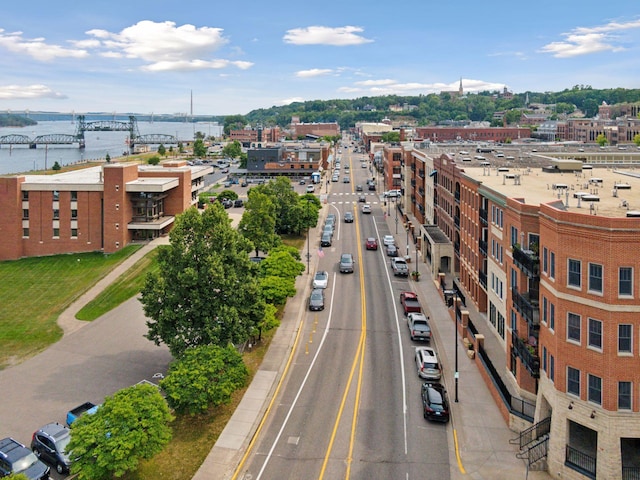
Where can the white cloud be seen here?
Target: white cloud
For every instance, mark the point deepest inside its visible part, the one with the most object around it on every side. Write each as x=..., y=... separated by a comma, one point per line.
x=37, y=47
x=287, y=101
x=587, y=40
x=391, y=87
x=319, y=35
x=314, y=72
x=367, y=83
x=14, y=92
x=187, y=65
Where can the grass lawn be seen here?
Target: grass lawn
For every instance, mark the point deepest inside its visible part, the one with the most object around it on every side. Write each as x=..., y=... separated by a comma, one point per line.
x=33, y=293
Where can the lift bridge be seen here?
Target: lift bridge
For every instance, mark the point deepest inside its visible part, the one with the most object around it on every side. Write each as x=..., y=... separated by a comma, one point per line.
x=97, y=126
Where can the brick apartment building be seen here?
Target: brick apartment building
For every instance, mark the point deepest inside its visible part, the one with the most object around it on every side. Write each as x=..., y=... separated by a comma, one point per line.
x=548, y=256
x=292, y=160
x=314, y=130
x=473, y=134
x=94, y=209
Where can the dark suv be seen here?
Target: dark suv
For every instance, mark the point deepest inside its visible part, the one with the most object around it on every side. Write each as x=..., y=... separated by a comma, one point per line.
x=50, y=444
x=16, y=458
x=434, y=402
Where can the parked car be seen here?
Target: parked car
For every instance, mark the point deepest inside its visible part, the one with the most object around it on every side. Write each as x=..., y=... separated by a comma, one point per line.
x=335, y=178
x=399, y=267
x=316, y=299
x=371, y=243
x=49, y=443
x=331, y=218
x=321, y=279
x=310, y=189
x=326, y=239
x=238, y=202
x=346, y=263
x=85, y=408
x=409, y=302
x=348, y=217
x=16, y=458
x=435, y=405
x=428, y=364
x=392, y=193
x=328, y=228
x=366, y=208
x=419, y=328
x=226, y=203
x=389, y=240
x=392, y=251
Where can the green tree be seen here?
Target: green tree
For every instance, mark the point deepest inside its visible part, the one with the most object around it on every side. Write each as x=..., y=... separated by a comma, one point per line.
x=280, y=263
x=162, y=150
x=391, y=137
x=107, y=158
x=180, y=147
x=285, y=199
x=258, y=221
x=199, y=148
x=205, y=291
x=202, y=377
x=636, y=139
x=275, y=290
x=229, y=194
x=232, y=149
x=132, y=424
x=155, y=160
x=56, y=166
x=601, y=140
x=17, y=476
x=234, y=122
x=171, y=149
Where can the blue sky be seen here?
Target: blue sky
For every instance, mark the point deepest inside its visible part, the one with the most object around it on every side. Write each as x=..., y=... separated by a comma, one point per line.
x=147, y=56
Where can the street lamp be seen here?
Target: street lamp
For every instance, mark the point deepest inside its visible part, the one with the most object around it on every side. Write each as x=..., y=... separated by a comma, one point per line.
x=396, y=205
x=451, y=295
x=308, y=236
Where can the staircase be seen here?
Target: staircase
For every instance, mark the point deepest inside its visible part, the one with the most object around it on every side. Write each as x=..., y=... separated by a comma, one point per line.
x=533, y=442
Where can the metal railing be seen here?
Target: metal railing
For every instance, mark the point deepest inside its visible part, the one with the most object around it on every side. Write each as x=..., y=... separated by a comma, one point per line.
x=580, y=461
x=630, y=473
x=533, y=433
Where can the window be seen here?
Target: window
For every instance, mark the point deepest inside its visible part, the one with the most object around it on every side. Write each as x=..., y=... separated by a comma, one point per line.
x=74, y=214
x=545, y=311
x=514, y=236
x=545, y=260
x=625, y=331
x=573, y=278
x=56, y=195
x=74, y=232
x=552, y=316
x=625, y=281
x=56, y=214
x=573, y=327
x=595, y=389
x=74, y=196
x=552, y=265
x=595, y=277
x=552, y=368
x=56, y=232
x=25, y=214
x=595, y=333
x=25, y=196
x=624, y=395
x=573, y=381
x=544, y=359
x=25, y=232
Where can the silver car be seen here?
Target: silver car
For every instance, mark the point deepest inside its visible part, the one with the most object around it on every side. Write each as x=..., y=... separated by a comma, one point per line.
x=321, y=279
x=346, y=263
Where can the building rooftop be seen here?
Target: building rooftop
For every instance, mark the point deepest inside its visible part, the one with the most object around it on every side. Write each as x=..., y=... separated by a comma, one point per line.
x=612, y=192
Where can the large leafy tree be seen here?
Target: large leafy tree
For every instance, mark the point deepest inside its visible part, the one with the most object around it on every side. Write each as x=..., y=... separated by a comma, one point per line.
x=202, y=377
x=258, y=222
x=199, y=148
x=232, y=149
x=205, y=291
x=284, y=198
x=280, y=263
x=132, y=424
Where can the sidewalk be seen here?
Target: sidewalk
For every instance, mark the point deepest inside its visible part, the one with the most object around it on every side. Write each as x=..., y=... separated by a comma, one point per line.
x=481, y=432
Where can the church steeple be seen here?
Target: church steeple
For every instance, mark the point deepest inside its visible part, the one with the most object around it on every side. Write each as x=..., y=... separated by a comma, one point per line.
x=460, y=90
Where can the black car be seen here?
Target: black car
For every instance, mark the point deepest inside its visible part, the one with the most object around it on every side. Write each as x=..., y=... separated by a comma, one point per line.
x=372, y=187
x=358, y=188
x=238, y=203
x=434, y=402
x=16, y=458
x=348, y=217
x=50, y=443
x=392, y=251
x=316, y=300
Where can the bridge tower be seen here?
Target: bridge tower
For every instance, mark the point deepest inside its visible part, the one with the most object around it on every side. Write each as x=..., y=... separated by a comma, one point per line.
x=82, y=126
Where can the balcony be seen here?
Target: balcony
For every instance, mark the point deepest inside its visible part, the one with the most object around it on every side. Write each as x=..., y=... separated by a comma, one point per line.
x=421, y=173
x=484, y=216
x=456, y=220
x=528, y=354
x=527, y=261
x=413, y=182
x=528, y=305
x=457, y=195
x=483, y=279
x=483, y=245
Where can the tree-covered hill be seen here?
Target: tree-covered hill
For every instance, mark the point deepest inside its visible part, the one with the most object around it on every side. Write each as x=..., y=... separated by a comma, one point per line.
x=12, y=120
x=438, y=108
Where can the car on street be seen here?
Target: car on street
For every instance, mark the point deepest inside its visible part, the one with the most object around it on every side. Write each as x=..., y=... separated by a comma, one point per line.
x=226, y=202
x=49, y=443
x=346, y=180
x=321, y=279
x=316, y=300
x=302, y=182
x=359, y=188
x=399, y=267
x=363, y=165
x=372, y=187
x=435, y=405
x=392, y=251
x=326, y=240
x=331, y=218
x=16, y=458
x=428, y=364
x=389, y=240
x=371, y=243
x=419, y=328
x=238, y=202
x=392, y=193
x=310, y=189
x=335, y=178
x=366, y=208
x=346, y=263
x=348, y=217
x=362, y=199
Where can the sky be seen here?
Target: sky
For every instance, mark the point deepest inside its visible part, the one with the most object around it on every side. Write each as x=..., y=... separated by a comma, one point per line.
x=143, y=56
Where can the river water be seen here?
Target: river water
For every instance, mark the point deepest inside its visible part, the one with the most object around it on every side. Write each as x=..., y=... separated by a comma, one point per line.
x=21, y=158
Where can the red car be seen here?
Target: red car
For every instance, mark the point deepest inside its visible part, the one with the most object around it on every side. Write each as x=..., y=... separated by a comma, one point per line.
x=372, y=243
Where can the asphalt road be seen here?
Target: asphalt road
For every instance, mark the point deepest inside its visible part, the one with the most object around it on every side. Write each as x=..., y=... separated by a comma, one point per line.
x=340, y=414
